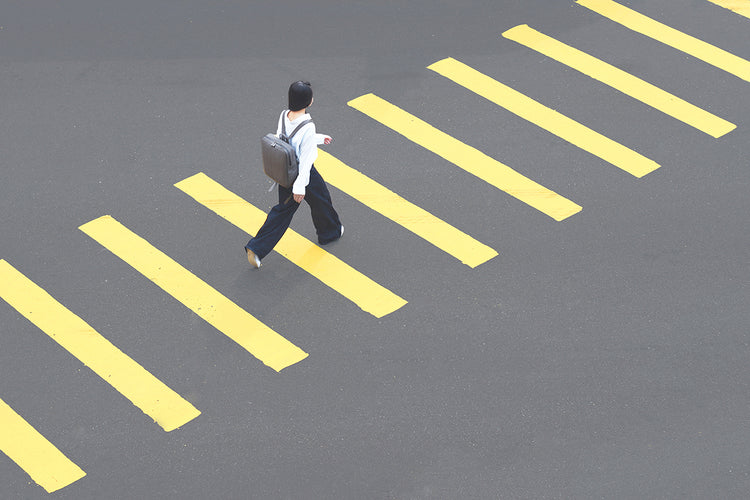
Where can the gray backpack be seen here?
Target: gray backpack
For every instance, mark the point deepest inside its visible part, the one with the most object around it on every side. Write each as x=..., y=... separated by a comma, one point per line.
x=280, y=161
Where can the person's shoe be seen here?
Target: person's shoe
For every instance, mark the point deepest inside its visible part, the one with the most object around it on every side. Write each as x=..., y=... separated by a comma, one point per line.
x=253, y=259
x=335, y=239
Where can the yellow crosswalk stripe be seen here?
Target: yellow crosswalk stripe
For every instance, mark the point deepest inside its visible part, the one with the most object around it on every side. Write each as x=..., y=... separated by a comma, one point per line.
x=41, y=460
x=415, y=219
x=546, y=118
x=364, y=292
x=145, y=391
x=621, y=80
x=741, y=7
x=466, y=157
x=670, y=36
x=217, y=310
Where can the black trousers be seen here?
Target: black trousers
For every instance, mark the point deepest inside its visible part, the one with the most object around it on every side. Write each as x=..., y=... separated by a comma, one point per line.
x=324, y=216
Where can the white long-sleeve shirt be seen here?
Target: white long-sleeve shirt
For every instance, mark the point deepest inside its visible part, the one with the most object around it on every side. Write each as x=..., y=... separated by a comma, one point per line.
x=305, y=143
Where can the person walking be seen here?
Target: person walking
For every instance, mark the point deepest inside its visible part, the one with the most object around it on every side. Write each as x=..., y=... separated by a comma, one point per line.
x=308, y=186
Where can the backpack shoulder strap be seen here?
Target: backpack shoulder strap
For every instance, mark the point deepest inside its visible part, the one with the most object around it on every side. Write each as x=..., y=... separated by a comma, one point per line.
x=282, y=123
x=309, y=120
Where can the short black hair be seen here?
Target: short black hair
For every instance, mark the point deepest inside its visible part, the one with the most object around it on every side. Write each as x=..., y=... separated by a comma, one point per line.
x=300, y=95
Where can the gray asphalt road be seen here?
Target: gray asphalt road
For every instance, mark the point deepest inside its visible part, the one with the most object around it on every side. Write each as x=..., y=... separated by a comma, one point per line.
x=604, y=356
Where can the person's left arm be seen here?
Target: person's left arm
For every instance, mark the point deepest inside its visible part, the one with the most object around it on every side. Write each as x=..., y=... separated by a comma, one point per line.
x=308, y=153
x=323, y=139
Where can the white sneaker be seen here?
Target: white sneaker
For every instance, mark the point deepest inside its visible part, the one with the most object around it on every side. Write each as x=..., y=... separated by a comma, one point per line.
x=253, y=259
x=342, y=231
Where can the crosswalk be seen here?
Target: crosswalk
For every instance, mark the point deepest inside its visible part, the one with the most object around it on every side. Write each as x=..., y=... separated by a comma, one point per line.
x=145, y=391
x=741, y=7
x=621, y=80
x=408, y=215
x=52, y=470
x=217, y=310
x=466, y=157
x=350, y=283
x=676, y=39
x=45, y=463
x=585, y=138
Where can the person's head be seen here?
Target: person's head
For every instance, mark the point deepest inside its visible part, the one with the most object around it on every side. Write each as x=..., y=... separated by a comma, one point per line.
x=300, y=96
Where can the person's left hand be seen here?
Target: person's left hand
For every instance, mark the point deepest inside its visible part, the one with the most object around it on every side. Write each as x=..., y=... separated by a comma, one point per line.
x=299, y=197
x=327, y=140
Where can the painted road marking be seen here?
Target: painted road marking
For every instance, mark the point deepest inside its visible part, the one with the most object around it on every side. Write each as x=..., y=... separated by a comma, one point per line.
x=41, y=460
x=621, y=80
x=217, y=310
x=547, y=118
x=670, y=36
x=741, y=7
x=355, y=286
x=466, y=157
x=384, y=201
x=130, y=379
